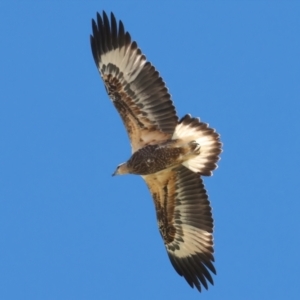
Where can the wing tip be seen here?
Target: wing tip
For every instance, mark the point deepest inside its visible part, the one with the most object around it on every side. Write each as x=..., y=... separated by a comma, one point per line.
x=194, y=270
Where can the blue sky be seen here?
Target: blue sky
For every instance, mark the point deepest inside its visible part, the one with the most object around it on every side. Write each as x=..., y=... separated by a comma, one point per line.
x=68, y=229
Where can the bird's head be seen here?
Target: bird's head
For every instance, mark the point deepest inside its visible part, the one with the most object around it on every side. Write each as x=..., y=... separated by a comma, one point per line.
x=121, y=169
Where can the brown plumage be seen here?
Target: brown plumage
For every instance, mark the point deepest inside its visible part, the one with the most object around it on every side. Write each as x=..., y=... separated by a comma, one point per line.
x=169, y=154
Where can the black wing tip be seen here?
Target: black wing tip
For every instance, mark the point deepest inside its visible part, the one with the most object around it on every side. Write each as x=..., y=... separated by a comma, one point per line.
x=108, y=34
x=100, y=20
x=194, y=269
x=104, y=16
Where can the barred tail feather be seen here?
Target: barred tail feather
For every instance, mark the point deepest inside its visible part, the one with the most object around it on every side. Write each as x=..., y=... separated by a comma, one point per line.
x=191, y=129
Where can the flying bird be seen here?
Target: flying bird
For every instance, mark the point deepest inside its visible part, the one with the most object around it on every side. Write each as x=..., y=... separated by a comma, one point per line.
x=170, y=154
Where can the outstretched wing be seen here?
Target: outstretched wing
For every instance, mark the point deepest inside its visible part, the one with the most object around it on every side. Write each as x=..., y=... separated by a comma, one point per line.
x=185, y=223
x=134, y=86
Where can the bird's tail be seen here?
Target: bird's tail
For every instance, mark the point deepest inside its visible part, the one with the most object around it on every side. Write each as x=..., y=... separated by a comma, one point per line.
x=204, y=141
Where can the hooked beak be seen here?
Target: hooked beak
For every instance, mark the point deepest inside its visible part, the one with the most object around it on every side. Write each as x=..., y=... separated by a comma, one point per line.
x=121, y=169
x=115, y=172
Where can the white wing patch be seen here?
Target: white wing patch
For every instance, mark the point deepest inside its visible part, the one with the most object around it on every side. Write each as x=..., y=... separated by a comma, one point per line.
x=130, y=62
x=194, y=240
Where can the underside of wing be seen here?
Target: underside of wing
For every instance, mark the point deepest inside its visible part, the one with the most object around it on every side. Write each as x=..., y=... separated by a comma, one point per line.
x=134, y=86
x=185, y=223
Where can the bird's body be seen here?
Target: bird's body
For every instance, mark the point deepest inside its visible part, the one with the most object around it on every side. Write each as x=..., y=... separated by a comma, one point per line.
x=154, y=158
x=170, y=154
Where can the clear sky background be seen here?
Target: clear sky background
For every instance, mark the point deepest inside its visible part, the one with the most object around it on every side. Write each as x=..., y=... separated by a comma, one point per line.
x=68, y=230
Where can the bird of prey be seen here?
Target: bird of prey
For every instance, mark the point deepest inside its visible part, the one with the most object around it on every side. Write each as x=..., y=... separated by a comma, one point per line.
x=170, y=154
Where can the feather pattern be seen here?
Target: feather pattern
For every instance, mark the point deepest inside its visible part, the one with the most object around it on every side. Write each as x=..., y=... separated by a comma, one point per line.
x=134, y=86
x=185, y=222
